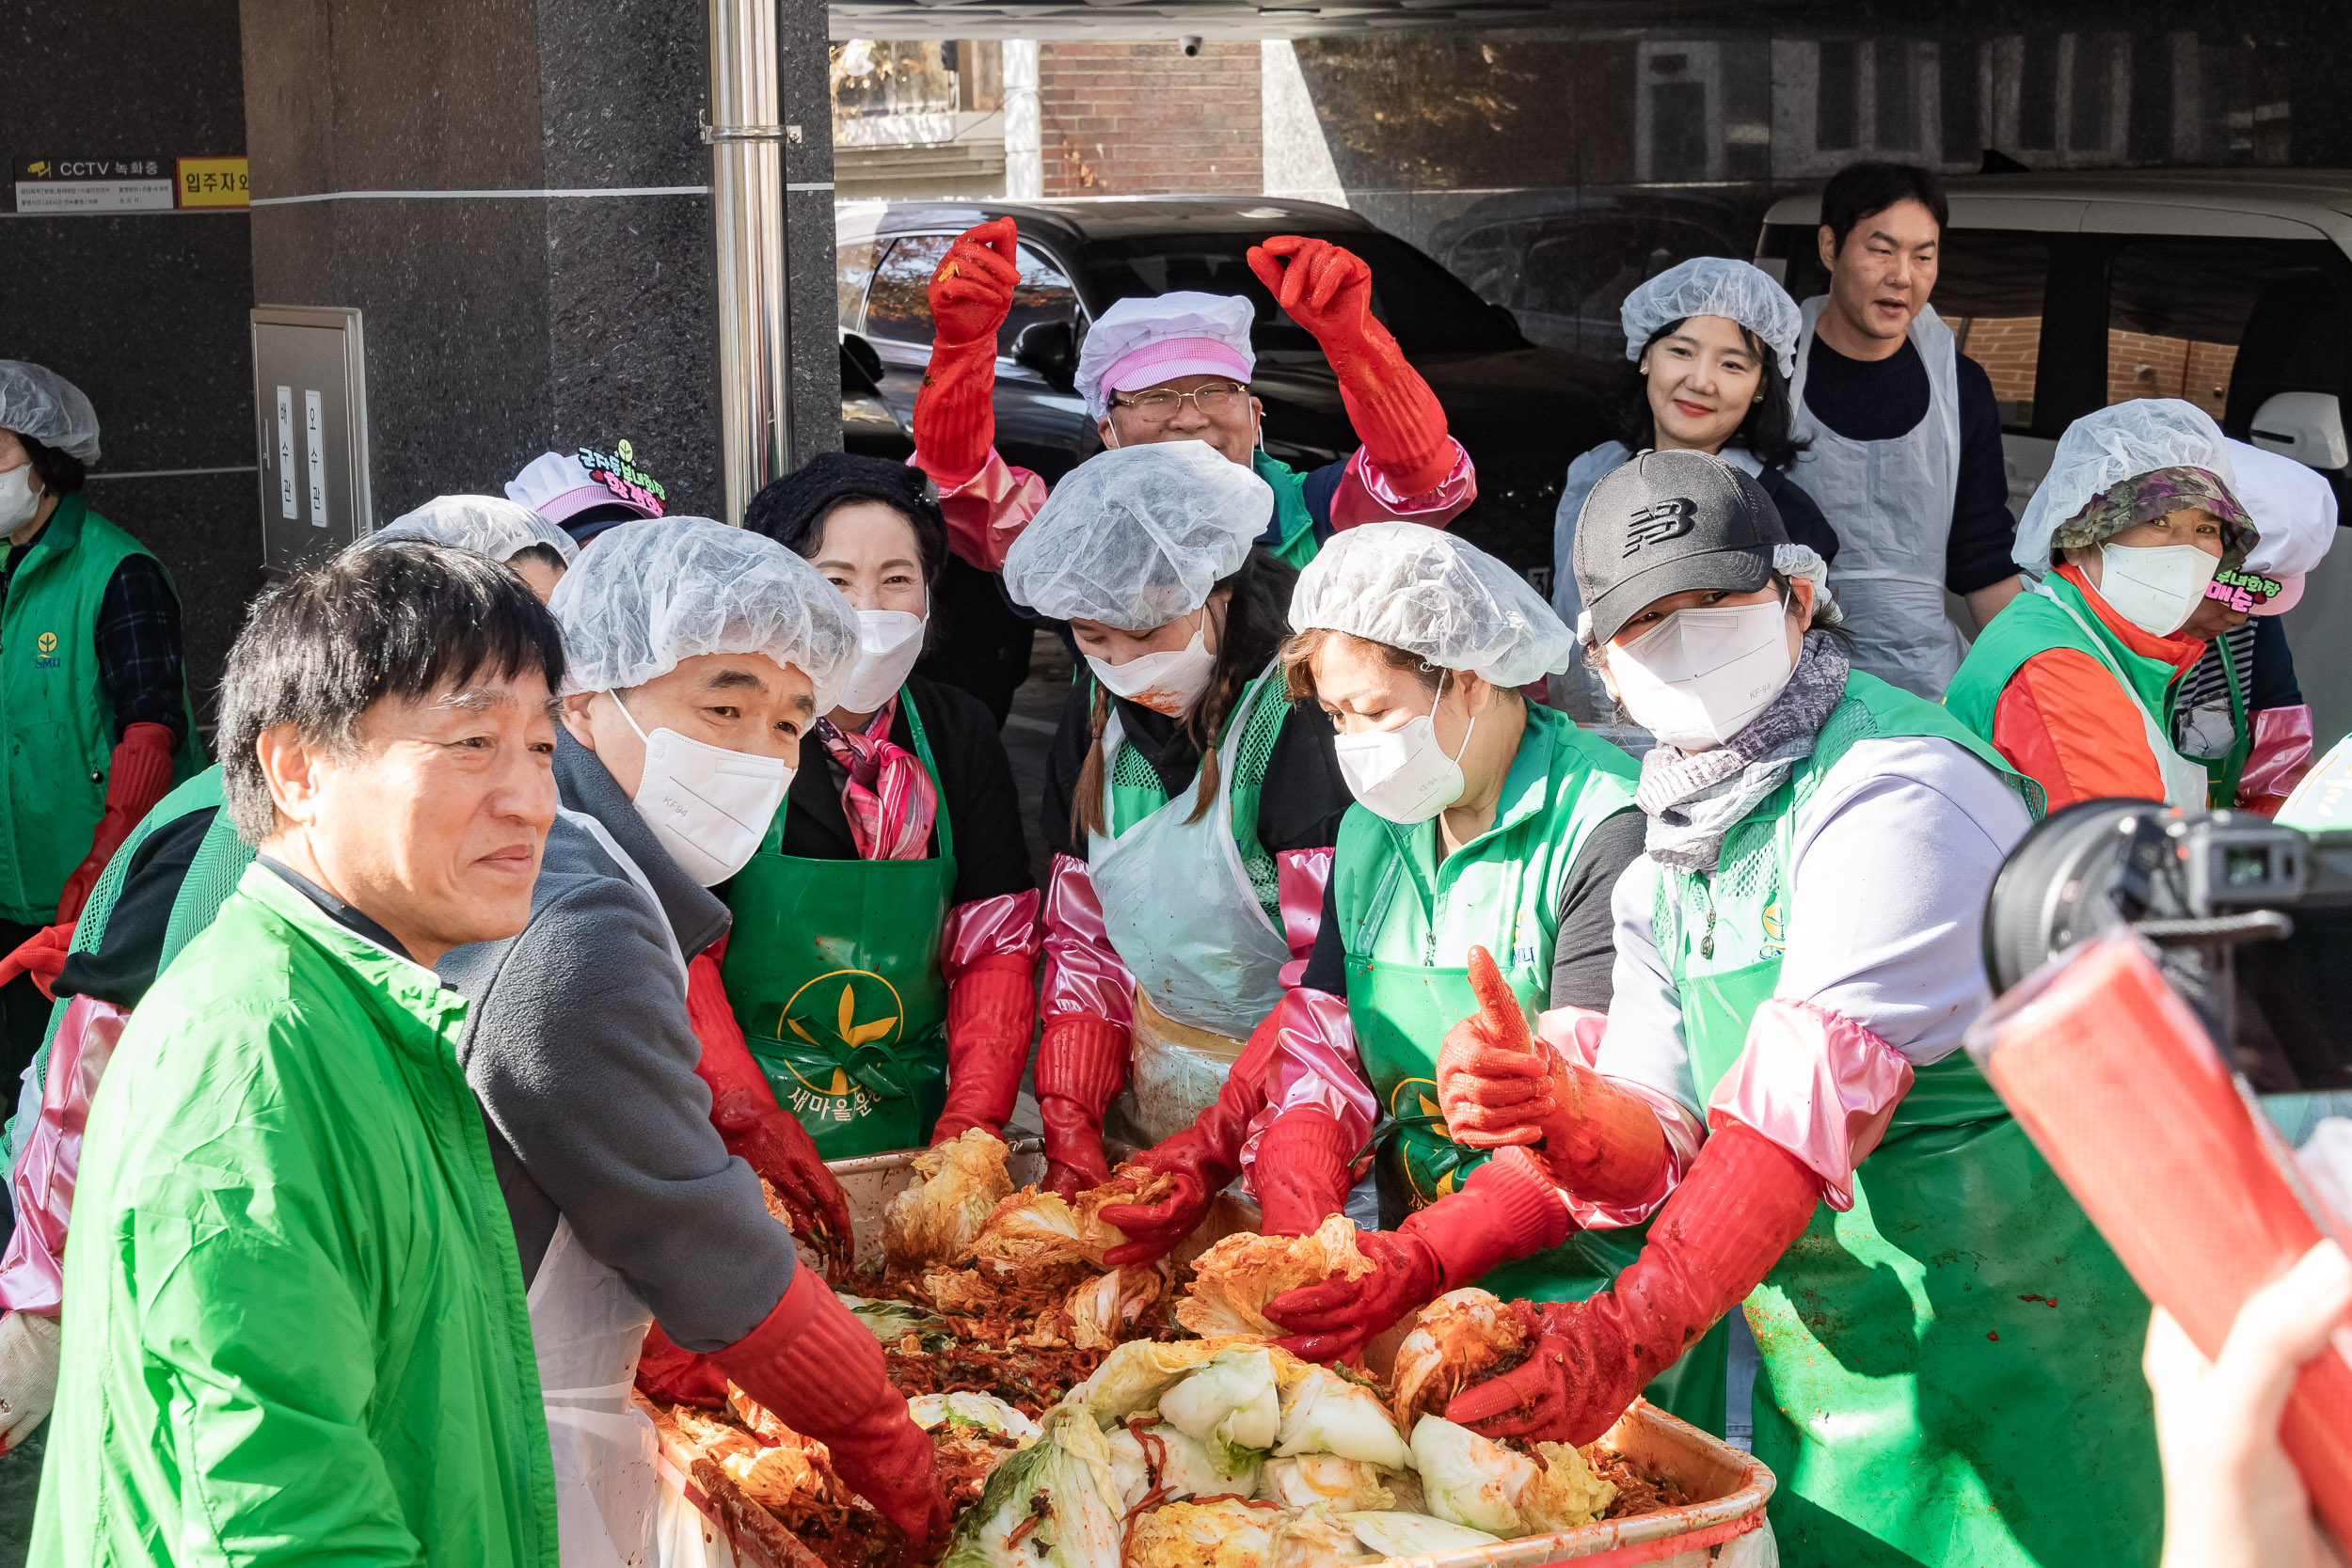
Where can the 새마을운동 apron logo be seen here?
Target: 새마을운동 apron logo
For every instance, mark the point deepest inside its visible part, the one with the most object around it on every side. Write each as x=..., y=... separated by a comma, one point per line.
x=851, y=1016
x=45, y=651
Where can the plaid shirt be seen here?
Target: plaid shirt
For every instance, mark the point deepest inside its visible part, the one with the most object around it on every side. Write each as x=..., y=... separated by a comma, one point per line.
x=137, y=638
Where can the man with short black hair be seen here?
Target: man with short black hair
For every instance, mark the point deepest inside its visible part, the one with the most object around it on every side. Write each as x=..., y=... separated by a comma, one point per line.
x=296, y=1322
x=1905, y=456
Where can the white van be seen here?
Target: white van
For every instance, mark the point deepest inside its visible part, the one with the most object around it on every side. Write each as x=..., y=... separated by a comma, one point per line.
x=2230, y=289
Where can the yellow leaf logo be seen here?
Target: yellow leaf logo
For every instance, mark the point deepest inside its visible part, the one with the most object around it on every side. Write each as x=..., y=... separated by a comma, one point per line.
x=48, y=642
x=854, y=1033
x=1430, y=1107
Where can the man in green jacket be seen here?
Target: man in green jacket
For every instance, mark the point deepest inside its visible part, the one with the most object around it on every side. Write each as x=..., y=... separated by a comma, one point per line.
x=296, y=1322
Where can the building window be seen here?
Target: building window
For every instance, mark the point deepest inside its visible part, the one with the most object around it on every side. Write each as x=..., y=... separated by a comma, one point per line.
x=1896, y=87
x=2093, y=97
x=2037, y=95
x=1957, y=68
x=1837, y=101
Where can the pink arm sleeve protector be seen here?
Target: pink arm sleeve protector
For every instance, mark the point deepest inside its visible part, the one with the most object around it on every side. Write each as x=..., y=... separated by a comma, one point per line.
x=987, y=512
x=1314, y=1064
x=1083, y=974
x=986, y=927
x=1575, y=1034
x=1816, y=1084
x=31, y=1272
x=1365, y=495
x=1299, y=878
x=2281, y=753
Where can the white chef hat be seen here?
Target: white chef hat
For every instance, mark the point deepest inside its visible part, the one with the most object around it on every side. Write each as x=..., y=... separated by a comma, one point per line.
x=1715, y=286
x=2104, y=448
x=1427, y=591
x=2295, y=512
x=1144, y=339
x=35, y=401
x=496, y=526
x=662, y=589
x=1136, y=536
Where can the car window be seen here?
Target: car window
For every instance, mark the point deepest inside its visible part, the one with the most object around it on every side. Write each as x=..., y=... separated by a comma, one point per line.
x=1585, y=269
x=897, y=308
x=2193, y=317
x=1989, y=290
x=853, y=269
x=1043, y=295
x=1427, y=307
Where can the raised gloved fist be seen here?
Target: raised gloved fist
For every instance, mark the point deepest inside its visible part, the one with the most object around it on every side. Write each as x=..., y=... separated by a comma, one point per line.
x=1326, y=290
x=971, y=290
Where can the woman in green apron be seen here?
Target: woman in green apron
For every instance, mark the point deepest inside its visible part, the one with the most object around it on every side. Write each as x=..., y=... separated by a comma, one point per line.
x=1948, y=1353
x=1189, y=806
x=2074, y=682
x=886, y=929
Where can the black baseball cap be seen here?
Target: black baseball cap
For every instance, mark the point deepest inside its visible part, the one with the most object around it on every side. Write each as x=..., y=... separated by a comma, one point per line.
x=1671, y=522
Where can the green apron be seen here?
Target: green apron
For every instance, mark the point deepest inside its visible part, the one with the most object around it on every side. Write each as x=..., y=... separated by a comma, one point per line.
x=2224, y=771
x=833, y=971
x=1293, y=521
x=1950, y=1369
x=1398, y=908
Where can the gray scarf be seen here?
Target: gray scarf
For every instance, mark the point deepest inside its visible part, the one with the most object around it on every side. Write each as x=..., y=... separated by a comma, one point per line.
x=1692, y=799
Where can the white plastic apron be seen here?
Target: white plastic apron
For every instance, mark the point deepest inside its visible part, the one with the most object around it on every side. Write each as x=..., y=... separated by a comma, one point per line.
x=1891, y=503
x=2185, y=782
x=1178, y=905
x=586, y=1325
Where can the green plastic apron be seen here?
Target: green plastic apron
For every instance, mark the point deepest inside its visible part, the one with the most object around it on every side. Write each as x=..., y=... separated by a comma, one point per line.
x=1950, y=1369
x=832, y=969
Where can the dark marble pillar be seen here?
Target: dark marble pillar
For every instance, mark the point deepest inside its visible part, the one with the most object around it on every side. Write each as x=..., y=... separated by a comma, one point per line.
x=565, y=297
x=805, y=96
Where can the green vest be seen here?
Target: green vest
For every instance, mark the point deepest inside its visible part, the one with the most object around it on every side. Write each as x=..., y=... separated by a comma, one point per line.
x=1294, y=522
x=220, y=860
x=59, y=725
x=2029, y=625
x=1950, y=1369
x=1406, y=924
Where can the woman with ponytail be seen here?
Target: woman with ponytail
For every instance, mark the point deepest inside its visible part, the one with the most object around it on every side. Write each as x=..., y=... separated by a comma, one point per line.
x=1189, y=807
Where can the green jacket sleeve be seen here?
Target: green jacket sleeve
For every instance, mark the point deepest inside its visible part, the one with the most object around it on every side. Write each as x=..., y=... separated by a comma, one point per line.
x=260, y=1324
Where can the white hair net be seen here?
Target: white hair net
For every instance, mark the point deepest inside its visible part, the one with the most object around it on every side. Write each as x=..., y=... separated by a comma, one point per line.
x=1715, y=286
x=498, y=528
x=1803, y=560
x=2107, y=446
x=1138, y=536
x=1425, y=591
x=656, y=591
x=38, y=402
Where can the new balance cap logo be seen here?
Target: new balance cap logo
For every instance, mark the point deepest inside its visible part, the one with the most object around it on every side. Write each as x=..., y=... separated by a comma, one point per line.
x=1660, y=521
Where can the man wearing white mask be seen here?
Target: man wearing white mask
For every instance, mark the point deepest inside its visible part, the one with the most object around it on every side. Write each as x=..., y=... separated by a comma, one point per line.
x=698, y=656
x=895, y=873
x=2077, y=682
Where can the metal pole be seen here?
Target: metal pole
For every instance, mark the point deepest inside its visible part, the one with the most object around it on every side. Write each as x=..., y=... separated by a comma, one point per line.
x=747, y=206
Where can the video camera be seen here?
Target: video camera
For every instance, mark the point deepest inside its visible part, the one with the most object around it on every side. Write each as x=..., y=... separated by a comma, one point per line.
x=2253, y=920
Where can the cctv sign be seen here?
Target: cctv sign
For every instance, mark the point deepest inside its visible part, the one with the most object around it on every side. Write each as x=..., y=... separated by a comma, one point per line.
x=140, y=185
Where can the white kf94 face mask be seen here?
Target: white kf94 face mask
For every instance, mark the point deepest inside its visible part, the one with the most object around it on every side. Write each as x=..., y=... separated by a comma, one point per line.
x=1404, y=774
x=2157, y=588
x=888, y=643
x=1696, y=678
x=1168, y=681
x=19, y=501
x=707, y=805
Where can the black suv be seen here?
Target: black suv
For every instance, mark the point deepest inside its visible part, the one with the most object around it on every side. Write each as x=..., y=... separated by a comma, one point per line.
x=1523, y=412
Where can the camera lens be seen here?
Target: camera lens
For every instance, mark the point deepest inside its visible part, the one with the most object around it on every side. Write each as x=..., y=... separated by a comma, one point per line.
x=2057, y=887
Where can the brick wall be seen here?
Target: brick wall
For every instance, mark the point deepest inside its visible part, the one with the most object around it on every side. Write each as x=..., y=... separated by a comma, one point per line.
x=1141, y=119
x=2008, y=347
x=2141, y=366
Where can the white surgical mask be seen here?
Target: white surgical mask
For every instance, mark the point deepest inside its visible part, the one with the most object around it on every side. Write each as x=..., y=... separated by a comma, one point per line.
x=1403, y=774
x=1166, y=682
x=708, y=806
x=19, y=501
x=2157, y=588
x=1696, y=678
x=888, y=643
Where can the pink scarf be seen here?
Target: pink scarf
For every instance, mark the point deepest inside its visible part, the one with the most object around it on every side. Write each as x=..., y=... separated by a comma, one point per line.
x=889, y=799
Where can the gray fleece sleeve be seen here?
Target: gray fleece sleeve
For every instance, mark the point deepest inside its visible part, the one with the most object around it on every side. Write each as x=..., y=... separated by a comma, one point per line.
x=580, y=1055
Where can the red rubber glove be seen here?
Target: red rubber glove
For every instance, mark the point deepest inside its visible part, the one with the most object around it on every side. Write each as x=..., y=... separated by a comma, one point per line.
x=1743, y=1202
x=1302, y=1171
x=675, y=1376
x=991, y=1008
x=1081, y=1063
x=41, y=956
x=1507, y=1209
x=1203, y=1159
x=817, y=1368
x=137, y=775
x=971, y=294
x=1329, y=291
x=1499, y=1087
x=758, y=1131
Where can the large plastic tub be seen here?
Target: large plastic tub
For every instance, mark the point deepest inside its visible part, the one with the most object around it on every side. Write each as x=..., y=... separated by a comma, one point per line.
x=1719, y=1527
